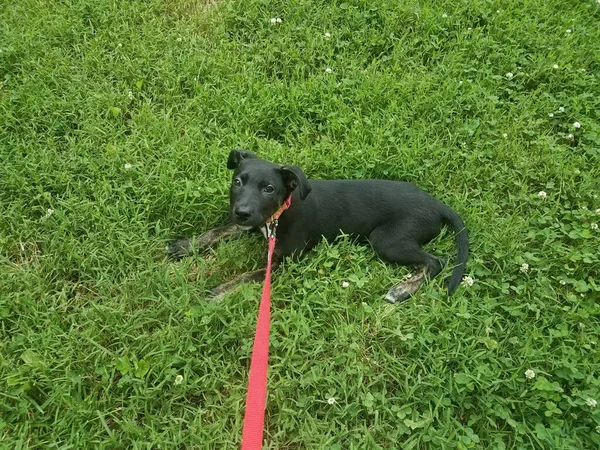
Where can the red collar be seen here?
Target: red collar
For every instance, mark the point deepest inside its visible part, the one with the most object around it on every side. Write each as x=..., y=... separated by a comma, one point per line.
x=286, y=204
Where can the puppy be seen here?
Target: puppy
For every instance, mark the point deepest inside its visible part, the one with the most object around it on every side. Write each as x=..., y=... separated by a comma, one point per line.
x=396, y=218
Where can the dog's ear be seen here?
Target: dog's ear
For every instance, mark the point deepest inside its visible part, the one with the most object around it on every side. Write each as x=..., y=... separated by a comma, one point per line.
x=236, y=156
x=293, y=177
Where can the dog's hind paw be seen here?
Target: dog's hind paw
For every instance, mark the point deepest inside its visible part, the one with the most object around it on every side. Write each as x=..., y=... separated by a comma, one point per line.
x=179, y=248
x=403, y=291
x=398, y=294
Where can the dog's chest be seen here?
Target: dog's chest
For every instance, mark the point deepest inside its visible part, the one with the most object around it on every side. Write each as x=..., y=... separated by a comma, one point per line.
x=264, y=231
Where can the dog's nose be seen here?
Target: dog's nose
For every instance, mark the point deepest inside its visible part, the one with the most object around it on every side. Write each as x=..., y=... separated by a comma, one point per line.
x=242, y=214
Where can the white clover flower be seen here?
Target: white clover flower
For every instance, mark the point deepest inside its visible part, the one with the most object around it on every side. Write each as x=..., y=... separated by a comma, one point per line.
x=130, y=95
x=591, y=402
x=577, y=172
x=550, y=115
x=594, y=226
x=444, y=16
x=561, y=109
x=509, y=75
x=460, y=82
x=179, y=39
x=505, y=135
x=529, y=374
x=328, y=70
x=598, y=211
x=127, y=166
x=468, y=281
x=331, y=401
x=345, y=284
x=49, y=212
x=569, y=31
x=524, y=268
x=555, y=66
x=497, y=11
x=120, y=45
x=178, y=379
x=279, y=20
x=571, y=137
x=327, y=35
x=542, y=194
x=576, y=125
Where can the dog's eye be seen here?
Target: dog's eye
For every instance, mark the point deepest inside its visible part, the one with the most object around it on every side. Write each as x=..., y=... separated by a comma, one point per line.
x=269, y=189
x=237, y=182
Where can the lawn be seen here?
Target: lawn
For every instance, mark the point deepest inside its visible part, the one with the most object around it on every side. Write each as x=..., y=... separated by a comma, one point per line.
x=116, y=119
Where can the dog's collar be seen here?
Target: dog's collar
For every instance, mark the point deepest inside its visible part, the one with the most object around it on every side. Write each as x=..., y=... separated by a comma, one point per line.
x=271, y=225
x=286, y=204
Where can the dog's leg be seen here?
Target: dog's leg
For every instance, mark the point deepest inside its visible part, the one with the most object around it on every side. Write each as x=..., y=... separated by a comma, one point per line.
x=185, y=247
x=399, y=246
x=218, y=293
x=404, y=290
x=222, y=290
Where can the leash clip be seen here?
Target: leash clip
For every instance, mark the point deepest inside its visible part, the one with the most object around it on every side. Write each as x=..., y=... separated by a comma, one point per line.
x=271, y=228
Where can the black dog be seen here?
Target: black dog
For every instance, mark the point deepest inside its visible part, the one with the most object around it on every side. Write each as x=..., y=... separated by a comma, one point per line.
x=396, y=218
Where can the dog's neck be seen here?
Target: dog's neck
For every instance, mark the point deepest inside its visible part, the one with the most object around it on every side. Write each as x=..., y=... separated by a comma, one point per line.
x=286, y=204
x=275, y=217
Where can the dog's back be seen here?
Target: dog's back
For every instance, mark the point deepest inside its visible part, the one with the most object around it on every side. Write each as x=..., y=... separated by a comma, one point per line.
x=357, y=207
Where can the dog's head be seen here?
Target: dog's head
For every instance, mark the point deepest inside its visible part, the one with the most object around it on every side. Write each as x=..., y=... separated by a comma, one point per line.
x=259, y=187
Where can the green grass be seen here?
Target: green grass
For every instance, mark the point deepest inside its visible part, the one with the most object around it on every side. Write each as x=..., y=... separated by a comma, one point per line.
x=95, y=324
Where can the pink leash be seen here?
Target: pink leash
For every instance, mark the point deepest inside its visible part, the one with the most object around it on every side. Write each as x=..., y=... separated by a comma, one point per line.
x=254, y=418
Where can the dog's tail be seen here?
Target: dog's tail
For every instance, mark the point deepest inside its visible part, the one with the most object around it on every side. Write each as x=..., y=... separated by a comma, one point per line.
x=462, y=246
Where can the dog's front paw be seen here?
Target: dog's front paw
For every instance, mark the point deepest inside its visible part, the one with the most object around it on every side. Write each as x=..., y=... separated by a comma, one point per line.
x=214, y=292
x=179, y=248
x=219, y=293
